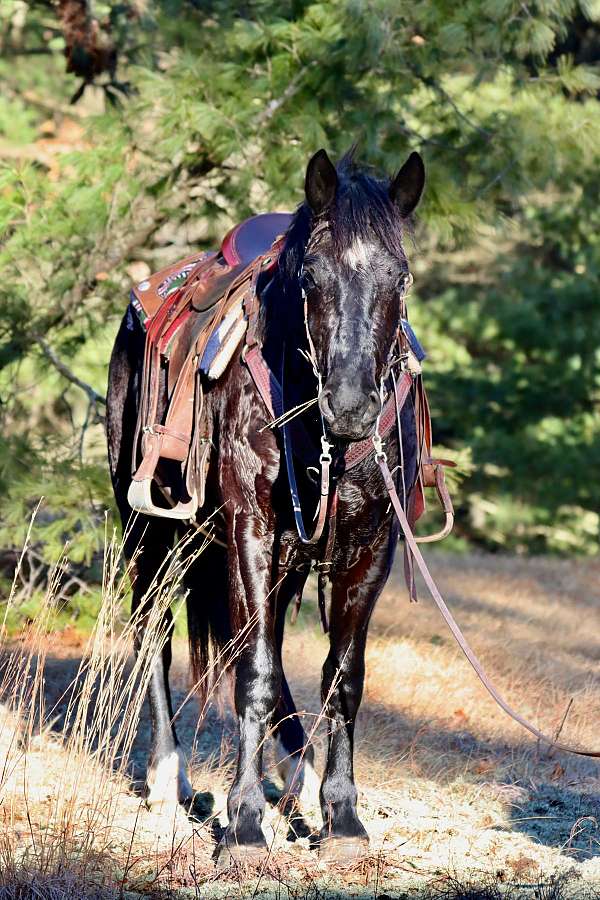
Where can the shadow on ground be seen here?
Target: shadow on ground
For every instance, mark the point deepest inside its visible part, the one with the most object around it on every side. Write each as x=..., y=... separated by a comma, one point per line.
x=548, y=808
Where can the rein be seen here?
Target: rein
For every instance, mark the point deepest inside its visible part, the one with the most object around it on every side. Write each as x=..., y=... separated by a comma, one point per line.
x=450, y=620
x=325, y=460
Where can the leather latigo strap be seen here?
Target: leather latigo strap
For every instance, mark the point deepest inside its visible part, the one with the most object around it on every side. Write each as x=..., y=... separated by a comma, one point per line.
x=430, y=472
x=267, y=385
x=453, y=626
x=433, y=476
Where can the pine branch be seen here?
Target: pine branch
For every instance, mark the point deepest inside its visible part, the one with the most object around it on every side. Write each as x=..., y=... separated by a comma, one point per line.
x=113, y=249
x=48, y=104
x=436, y=86
x=94, y=397
x=293, y=87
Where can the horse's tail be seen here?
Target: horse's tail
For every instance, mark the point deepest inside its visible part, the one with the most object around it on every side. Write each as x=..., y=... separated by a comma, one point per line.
x=209, y=627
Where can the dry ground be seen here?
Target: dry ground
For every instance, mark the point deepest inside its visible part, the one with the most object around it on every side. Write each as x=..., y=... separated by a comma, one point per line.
x=458, y=801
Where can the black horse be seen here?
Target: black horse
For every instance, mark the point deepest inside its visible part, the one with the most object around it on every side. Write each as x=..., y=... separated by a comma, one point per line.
x=337, y=286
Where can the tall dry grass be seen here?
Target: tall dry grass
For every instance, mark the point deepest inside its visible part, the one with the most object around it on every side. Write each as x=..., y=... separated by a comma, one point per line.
x=71, y=824
x=449, y=791
x=84, y=783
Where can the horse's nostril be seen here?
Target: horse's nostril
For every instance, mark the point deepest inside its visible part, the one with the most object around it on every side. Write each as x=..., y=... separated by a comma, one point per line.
x=373, y=406
x=326, y=404
x=374, y=400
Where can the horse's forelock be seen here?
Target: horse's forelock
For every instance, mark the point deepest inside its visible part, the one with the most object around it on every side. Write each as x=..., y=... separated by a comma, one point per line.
x=364, y=212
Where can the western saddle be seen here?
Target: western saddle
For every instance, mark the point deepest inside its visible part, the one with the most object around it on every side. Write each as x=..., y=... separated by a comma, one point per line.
x=195, y=315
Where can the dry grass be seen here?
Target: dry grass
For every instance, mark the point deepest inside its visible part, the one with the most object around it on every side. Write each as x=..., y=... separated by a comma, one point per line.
x=458, y=802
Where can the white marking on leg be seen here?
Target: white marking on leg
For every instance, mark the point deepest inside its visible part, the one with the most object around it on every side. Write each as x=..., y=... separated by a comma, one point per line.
x=168, y=781
x=286, y=767
x=300, y=780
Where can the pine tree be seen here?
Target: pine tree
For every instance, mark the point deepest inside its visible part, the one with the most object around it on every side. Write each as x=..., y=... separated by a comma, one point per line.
x=226, y=106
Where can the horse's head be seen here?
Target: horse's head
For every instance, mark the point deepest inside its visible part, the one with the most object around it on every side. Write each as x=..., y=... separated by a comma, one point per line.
x=353, y=273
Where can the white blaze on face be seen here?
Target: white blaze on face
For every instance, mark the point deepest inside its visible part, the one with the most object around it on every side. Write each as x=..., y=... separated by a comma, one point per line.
x=359, y=254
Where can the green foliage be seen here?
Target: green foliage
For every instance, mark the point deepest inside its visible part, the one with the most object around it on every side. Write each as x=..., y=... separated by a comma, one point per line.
x=227, y=105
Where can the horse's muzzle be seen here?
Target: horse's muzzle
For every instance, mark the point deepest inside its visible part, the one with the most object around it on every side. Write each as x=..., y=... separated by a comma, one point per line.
x=350, y=414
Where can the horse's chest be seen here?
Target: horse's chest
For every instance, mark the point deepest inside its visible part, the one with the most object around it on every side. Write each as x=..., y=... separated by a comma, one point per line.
x=362, y=516
x=361, y=522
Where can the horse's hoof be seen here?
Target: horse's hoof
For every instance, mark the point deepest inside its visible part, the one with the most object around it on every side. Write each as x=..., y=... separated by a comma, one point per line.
x=239, y=856
x=343, y=851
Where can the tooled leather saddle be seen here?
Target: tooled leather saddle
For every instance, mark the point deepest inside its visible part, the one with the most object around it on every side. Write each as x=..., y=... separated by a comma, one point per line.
x=194, y=316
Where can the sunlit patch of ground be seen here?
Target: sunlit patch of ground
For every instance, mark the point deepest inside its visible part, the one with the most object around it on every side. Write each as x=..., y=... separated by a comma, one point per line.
x=453, y=794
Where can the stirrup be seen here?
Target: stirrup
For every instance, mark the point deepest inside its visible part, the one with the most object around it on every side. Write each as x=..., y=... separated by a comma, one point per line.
x=445, y=502
x=139, y=497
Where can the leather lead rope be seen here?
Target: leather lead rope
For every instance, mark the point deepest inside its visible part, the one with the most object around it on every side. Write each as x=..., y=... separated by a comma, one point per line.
x=451, y=622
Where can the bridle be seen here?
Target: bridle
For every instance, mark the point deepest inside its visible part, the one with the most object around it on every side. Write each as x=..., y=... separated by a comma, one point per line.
x=325, y=459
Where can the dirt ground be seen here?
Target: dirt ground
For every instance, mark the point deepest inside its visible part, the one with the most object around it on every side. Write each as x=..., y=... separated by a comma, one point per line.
x=458, y=800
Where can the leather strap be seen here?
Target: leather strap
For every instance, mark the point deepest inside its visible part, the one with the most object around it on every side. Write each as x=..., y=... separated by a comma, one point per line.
x=264, y=380
x=453, y=626
x=433, y=476
x=324, y=465
x=360, y=450
x=323, y=567
x=321, y=513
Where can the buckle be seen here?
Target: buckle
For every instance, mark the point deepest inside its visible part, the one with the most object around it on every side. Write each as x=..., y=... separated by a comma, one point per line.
x=380, y=454
x=325, y=456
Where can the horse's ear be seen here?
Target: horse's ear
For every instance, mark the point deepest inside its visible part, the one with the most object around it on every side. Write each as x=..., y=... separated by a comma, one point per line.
x=407, y=186
x=321, y=182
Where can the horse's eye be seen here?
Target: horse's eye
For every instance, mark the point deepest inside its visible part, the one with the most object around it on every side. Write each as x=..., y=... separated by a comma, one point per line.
x=401, y=283
x=308, y=282
x=404, y=282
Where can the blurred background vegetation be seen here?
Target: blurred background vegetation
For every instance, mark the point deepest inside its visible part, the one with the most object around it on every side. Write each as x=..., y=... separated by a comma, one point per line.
x=135, y=131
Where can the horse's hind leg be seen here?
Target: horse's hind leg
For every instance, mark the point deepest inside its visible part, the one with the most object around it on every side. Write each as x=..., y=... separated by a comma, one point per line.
x=295, y=753
x=166, y=779
x=152, y=540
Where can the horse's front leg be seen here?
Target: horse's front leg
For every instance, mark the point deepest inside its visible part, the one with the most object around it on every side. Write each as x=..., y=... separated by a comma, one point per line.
x=354, y=592
x=257, y=682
